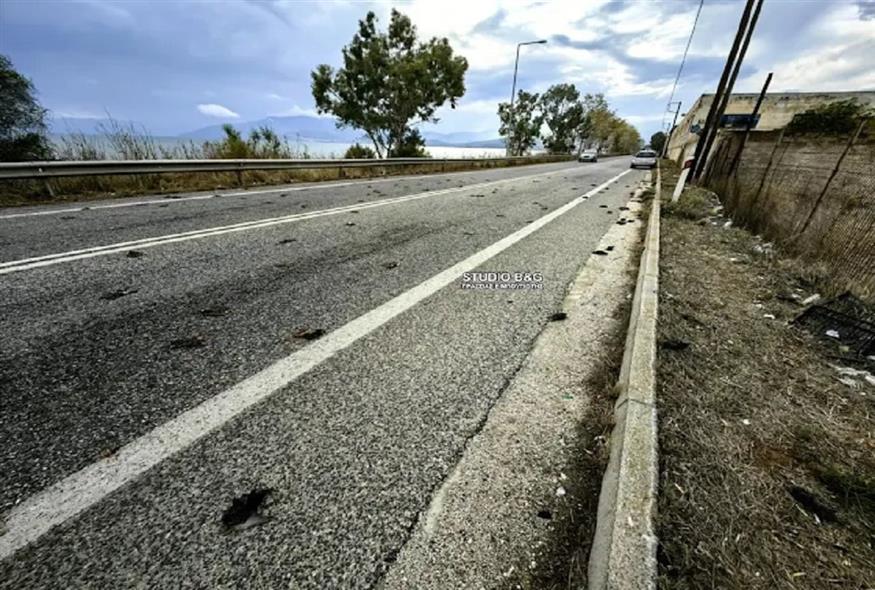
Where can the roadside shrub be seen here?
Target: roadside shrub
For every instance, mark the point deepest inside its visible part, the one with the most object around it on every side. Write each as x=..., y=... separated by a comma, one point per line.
x=694, y=203
x=359, y=152
x=411, y=145
x=839, y=118
x=263, y=143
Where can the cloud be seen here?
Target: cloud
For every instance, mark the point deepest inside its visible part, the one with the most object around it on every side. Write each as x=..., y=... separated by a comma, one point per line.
x=217, y=110
x=296, y=111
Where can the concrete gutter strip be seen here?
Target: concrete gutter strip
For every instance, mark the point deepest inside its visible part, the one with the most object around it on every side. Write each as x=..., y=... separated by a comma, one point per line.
x=623, y=555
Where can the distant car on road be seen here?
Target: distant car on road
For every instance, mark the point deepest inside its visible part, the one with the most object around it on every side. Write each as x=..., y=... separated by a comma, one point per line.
x=644, y=159
x=588, y=156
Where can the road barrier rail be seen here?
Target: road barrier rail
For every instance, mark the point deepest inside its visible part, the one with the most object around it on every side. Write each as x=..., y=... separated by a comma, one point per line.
x=61, y=169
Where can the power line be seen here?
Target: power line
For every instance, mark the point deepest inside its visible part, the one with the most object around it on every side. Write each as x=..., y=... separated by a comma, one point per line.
x=683, y=61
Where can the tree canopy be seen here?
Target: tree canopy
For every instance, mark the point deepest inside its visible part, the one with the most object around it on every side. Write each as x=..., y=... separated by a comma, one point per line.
x=22, y=119
x=657, y=141
x=520, y=126
x=563, y=115
x=573, y=123
x=389, y=81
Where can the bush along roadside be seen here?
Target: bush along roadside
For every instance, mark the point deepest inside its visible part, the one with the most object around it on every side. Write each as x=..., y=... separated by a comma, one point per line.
x=767, y=455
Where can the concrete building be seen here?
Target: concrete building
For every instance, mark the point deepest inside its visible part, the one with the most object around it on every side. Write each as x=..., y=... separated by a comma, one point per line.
x=776, y=111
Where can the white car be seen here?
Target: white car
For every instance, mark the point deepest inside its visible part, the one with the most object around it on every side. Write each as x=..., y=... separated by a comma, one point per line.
x=588, y=156
x=644, y=159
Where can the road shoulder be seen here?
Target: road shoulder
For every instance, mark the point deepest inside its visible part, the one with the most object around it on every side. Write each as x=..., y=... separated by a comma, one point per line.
x=514, y=510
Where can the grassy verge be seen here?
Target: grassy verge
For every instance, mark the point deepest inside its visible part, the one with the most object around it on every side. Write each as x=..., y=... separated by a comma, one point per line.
x=13, y=193
x=767, y=459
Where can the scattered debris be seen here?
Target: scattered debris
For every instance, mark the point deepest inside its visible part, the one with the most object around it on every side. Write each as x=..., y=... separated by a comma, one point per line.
x=390, y=265
x=558, y=316
x=214, y=312
x=560, y=491
x=769, y=316
x=812, y=504
x=287, y=241
x=350, y=223
x=308, y=333
x=243, y=512
x=600, y=252
x=609, y=248
x=852, y=383
x=478, y=195
x=108, y=452
x=187, y=343
x=673, y=344
x=833, y=334
x=172, y=196
x=134, y=254
x=603, y=206
x=117, y=294
x=811, y=299
x=545, y=514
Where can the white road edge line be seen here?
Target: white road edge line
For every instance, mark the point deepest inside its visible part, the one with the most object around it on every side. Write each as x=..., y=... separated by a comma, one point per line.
x=34, y=517
x=165, y=200
x=57, y=258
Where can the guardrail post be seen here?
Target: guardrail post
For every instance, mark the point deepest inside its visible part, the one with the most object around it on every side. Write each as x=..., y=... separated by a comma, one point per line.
x=240, y=182
x=49, y=188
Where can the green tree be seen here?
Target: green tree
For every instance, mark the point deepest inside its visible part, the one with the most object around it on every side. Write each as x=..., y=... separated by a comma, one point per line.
x=563, y=114
x=388, y=81
x=22, y=119
x=521, y=127
x=594, y=127
x=657, y=141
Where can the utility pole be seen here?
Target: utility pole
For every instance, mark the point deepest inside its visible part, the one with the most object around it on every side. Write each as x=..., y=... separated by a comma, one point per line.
x=721, y=86
x=750, y=122
x=516, y=65
x=674, y=123
x=724, y=99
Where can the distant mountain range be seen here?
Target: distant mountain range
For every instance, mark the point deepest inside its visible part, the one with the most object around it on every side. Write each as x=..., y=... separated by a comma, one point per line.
x=298, y=128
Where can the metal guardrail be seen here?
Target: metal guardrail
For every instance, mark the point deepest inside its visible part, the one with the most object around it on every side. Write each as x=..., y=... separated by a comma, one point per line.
x=57, y=169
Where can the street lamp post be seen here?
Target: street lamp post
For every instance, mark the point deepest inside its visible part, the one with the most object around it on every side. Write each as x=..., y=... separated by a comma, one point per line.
x=516, y=66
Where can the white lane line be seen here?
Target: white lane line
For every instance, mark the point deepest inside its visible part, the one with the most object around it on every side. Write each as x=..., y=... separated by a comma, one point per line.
x=164, y=200
x=69, y=256
x=34, y=517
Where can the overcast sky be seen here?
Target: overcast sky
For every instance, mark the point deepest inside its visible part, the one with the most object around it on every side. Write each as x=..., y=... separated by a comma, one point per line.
x=176, y=65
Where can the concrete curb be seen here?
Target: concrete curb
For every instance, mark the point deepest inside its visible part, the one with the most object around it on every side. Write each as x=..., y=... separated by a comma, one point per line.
x=623, y=555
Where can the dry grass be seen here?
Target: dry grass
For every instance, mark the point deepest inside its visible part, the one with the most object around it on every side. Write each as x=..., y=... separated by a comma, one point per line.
x=767, y=460
x=13, y=193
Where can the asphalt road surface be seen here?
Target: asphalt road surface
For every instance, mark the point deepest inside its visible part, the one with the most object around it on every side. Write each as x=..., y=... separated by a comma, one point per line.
x=155, y=364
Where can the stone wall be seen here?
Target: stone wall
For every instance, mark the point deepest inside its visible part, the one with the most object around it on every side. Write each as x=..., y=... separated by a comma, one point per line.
x=813, y=195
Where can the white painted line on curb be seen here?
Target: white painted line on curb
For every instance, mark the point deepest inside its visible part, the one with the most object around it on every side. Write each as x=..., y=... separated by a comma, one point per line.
x=288, y=189
x=57, y=258
x=38, y=514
